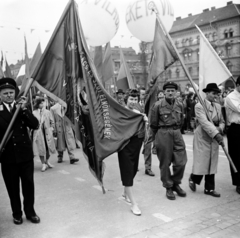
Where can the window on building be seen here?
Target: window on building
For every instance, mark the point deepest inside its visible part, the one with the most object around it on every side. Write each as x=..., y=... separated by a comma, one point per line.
x=197, y=70
x=169, y=74
x=190, y=70
x=198, y=39
x=226, y=34
x=189, y=54
x=190, y=41
x=214, y=36
x=210, y=37
x=207, y=36
x=177, y=43
x=229, y=65
x=183, y=42
x=197, y=51
x=228, y=49
x=231, y=32
x=177, y=73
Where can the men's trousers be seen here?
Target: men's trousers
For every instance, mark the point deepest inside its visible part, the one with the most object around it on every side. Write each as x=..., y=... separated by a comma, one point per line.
x=233, y=136
x=209, y=180
x=171, y=150
x=12, y=174
x=148, y=156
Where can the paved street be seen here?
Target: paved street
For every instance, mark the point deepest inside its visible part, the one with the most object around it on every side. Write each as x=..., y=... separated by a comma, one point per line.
x=71, y=204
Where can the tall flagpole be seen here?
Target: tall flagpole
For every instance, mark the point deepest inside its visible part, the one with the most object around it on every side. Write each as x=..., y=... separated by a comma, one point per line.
x=152, y=7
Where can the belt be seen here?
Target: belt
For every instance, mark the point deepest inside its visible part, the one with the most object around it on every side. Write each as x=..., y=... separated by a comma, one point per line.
x=169, y=127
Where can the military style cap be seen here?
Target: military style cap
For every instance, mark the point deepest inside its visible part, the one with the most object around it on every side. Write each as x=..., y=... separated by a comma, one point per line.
x=120, y=91
x=7, y=83
x=170, y=85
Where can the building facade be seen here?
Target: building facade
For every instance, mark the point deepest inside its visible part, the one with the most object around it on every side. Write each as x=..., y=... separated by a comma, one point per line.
x=221, y=27
x=134, y=63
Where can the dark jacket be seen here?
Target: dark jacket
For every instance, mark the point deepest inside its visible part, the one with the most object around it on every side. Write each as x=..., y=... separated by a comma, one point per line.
x=164, y=114
x=19, y=147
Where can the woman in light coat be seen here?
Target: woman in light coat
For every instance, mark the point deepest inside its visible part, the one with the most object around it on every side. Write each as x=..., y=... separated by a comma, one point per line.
x=43, y=141
x=207, y=138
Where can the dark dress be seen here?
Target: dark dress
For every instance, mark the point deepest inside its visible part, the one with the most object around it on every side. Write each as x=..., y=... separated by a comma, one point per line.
x=128, y=158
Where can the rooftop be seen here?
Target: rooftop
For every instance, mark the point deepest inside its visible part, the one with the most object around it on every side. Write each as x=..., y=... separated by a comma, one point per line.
x=206, y=17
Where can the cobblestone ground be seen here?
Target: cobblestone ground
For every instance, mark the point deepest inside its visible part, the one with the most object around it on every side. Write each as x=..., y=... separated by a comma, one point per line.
x=70, y=204
x=216, y=222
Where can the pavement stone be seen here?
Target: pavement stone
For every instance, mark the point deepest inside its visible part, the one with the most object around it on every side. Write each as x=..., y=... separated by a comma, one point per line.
x=71, y=206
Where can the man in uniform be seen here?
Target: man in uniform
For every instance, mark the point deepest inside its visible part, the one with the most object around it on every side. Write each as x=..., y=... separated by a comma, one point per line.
x=232, y=104
x=17, y=156
x=166, y=121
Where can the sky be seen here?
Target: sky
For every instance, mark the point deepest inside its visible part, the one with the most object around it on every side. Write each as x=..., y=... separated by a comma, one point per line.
x=19, y=17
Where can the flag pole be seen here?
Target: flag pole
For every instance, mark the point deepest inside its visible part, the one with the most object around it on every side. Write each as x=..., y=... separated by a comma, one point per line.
x=31, y=80
x=152, y=7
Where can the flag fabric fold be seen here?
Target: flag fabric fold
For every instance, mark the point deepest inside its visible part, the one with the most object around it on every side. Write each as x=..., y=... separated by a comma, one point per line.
x=1, y=67
x=124, y=79
x=108, y=71
x=7, y=72
x=98, y=62
x=163, y=56
x=66, y=70
x=30, y=65
x=211, y=67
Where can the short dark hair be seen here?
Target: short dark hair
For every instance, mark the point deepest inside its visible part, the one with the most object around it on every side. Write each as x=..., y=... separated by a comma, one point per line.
x=132, y=93
x=190, y=94
x=37, y=102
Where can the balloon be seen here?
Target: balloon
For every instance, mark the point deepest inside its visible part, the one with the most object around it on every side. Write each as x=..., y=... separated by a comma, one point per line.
x=100, y=21
x=141, y=20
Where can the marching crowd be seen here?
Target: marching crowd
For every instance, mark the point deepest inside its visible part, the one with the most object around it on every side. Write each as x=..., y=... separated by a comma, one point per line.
x=41, y=132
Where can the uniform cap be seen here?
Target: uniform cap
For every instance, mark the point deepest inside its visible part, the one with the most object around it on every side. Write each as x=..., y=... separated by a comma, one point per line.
x=7, y=83
x=170, y=85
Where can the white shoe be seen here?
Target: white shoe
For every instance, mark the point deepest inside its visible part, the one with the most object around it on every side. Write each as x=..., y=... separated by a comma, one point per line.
x=135, y=210
x=49, y=165
x=44, y=167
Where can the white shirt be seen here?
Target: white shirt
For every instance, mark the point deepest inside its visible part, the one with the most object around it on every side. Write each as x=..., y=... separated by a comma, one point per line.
x=232, y=104
x=7, y=105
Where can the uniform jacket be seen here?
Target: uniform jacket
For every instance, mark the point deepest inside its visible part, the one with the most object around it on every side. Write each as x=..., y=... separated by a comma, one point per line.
x=63, y=129
x=19, y=147
x=46, y=123
x=205, y=148
x=164, y=114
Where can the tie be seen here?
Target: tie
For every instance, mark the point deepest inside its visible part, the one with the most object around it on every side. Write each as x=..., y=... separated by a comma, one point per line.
x=10, y=108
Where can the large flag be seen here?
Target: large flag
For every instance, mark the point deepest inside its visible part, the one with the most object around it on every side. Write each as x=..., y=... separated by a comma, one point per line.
x=1, y=73
x=7, y=72
x=1, y=65
x=211, y=67
x=29, y=66
x=104, y=64
x=108, y=71
x=20, y=76
x=124, y=79
x=27, y=60
x=1, y=62
x=163, y=56
x=67, y=70
x=98, y=62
